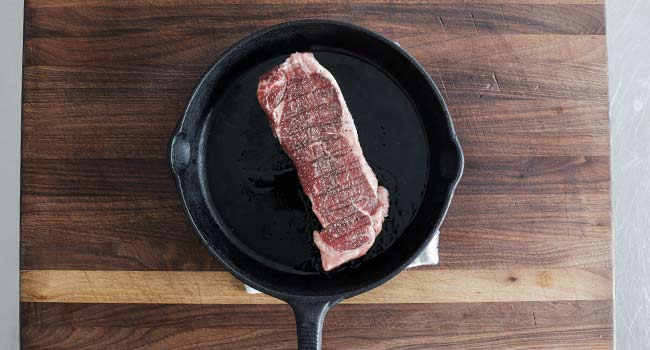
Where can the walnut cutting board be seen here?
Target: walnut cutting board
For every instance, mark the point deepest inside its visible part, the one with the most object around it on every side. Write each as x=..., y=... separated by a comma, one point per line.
x=110, y=262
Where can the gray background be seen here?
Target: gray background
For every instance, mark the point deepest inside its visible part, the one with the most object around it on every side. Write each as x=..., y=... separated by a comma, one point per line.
x=628, y=30
x=628, y=41
x=11, y=39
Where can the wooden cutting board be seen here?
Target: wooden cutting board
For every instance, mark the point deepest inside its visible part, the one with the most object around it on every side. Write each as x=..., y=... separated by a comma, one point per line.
x=110, y=262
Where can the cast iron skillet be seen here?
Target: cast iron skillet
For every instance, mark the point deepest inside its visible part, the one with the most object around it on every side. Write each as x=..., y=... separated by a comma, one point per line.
x=242, y=195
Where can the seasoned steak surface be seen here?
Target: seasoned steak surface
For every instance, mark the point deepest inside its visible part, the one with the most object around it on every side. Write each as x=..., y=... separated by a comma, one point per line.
x=308, y=115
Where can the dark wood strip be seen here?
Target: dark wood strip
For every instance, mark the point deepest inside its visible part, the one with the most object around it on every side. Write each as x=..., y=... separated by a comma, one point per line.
x=471, y=18
x=92, y=252
x=558, y=216
x=527, y=79
x=486, y=51
x=96, y=177
x=472, y=249
x=457, y=251
x=535, y=81
x=110, y=233
x=538, y=96
x=552, y=325
x=122, y=233
x=538, y=218
x=139, y=125
x=548, y=175
x=488, y=127
x=227, y=18
x=493, y=50
x=187, y=63
x=151, y=178
x=532, y=217
x=532, y=60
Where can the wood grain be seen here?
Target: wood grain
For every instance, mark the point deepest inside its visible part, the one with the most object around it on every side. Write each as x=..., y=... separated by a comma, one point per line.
x=150, y=178
x=507, y=230
x=240, y=19
x=538, y=99
x=472, y=326
x=109, y=261
x=100, y=214
x=108, y=124
x=416, y=286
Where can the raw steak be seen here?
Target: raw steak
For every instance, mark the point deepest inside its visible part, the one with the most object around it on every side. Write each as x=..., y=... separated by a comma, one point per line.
x=309, y=117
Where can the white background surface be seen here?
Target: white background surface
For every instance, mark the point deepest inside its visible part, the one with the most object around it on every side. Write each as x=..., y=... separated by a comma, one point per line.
x=628, y=30
x=11, y=39
x=628, y=36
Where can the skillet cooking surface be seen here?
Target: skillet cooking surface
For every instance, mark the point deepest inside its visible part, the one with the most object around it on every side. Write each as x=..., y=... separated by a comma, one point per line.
x=254, y=189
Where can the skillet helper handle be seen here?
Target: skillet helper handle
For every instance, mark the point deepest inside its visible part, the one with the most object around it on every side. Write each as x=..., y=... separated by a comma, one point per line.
x=310, y=316
x=180, y=153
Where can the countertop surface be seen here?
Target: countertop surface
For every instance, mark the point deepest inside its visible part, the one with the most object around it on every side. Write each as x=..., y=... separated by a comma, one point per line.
x=11, y=24
x=629, y=72
x=525, y=253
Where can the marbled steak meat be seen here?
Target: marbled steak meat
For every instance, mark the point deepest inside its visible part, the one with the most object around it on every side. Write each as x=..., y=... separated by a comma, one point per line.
x=309, y=117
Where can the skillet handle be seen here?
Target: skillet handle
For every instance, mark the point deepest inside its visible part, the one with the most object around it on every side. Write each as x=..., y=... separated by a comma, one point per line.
x=310, y=316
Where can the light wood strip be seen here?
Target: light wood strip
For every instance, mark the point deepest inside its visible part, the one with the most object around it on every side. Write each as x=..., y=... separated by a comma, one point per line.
x=439, y=286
